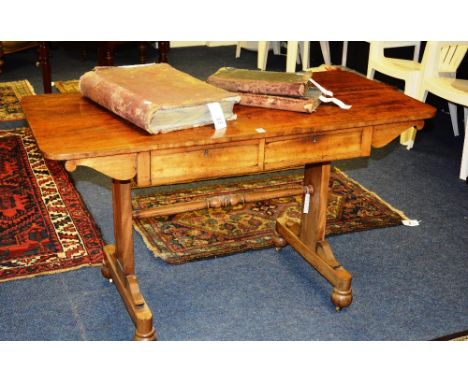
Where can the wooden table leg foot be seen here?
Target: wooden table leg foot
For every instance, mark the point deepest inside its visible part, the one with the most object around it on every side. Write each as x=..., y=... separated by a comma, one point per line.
x=127, y=285
x=105, y=270
x=278, y=241
x=148, y=333
x=341, y=298
x=322, y=259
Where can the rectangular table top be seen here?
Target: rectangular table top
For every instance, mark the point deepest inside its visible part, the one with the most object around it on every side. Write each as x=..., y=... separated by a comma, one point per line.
x=69, y=126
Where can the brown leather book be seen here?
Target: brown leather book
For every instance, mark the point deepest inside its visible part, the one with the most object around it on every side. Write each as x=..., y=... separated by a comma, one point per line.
x=263, y=82
x=156, y=97
x=303, y=105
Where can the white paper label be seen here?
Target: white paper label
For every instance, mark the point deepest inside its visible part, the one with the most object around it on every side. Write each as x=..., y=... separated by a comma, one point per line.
x=306, y=203
x=321, y=88
x=217, y=115
x=410, y=223
x=219, y=133
x=336, y=101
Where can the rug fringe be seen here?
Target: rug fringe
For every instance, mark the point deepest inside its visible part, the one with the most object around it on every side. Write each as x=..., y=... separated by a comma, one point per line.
x=151, y=247
x=50, y=272
x=17, y=87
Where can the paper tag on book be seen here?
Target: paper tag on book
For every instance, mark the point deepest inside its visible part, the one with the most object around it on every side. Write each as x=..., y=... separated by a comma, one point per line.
x=217, y=115
x=336, y=101
x=306, y=203
x=410, y=223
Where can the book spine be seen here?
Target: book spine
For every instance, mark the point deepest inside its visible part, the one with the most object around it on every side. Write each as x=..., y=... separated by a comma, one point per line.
x=259, y=87
x=301, y=105
x=117, y=99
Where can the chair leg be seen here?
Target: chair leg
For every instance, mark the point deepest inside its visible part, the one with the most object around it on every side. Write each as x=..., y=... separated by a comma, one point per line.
x=408, y=137
x=454, y=118
x=370, y=72
x=325, y=46
x=344, y=54
x=2, y=62
x=276, y=46
x=305, y=55
x=238, y=49
x=291, y=56
x=142, y=52
x=262, y=54
x=464, y=160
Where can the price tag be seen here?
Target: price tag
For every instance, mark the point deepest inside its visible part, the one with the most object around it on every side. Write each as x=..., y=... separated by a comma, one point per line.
x=410, y=223
x=217, y=115
x=306, y=202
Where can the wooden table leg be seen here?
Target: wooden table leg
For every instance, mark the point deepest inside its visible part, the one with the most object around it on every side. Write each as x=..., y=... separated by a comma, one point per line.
x=106, y=53
x=163, y=47
x=142, y=52
x=44, y=61
x=308, y=237
x=119, y=264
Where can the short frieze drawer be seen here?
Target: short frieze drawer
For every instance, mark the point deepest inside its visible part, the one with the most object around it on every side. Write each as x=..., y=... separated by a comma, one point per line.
x=295, y=151
x=183, y=165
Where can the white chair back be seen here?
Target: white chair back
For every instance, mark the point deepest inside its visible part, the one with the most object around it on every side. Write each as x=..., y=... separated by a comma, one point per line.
x=443, y=57
x=377, y=48
x=438, y=70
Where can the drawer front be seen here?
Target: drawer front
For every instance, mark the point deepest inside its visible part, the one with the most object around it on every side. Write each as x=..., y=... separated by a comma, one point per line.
x=311, y=148
x=174, y=166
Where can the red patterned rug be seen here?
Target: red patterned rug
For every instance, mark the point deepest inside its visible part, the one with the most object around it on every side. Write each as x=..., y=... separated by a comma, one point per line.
x=44, y=225
x=222, y=231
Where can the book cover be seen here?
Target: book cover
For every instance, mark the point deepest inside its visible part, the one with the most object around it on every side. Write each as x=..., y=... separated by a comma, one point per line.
x=263, y=82
x=156, y=97
x=302, y=105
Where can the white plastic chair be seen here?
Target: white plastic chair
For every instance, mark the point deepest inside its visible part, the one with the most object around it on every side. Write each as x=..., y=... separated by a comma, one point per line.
x=325, y=47
x=406, y=70
x=304, y=54
x=294, y=55
x=438, y=70
x=297, y=52
x=254, y=45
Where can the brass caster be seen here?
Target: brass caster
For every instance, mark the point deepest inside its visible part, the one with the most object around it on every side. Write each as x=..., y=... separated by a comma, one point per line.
x=105, y=271
x=341, y=299
x=150, y=336
x=337, y=308
x=111, y=281
x=278, y=249
x=278, y=242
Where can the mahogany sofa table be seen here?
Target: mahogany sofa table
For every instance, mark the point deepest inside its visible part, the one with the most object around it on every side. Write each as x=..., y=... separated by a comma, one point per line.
x=71, y=128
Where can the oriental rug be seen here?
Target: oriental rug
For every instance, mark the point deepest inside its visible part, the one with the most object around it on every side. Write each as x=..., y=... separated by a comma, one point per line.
x=69, y=86
x=10, y=99
x=222, y=231
x=44, y=225
x=459, y=336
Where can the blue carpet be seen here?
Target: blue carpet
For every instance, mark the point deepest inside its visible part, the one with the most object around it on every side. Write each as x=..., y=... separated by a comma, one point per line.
x=408, y=283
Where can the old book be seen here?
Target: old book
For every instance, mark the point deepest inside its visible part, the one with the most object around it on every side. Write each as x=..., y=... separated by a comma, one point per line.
x=263, y=82
x=302, y=105
x=156, y=97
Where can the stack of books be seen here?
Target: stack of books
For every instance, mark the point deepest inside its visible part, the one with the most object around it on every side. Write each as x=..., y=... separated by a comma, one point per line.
x=273, y=90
